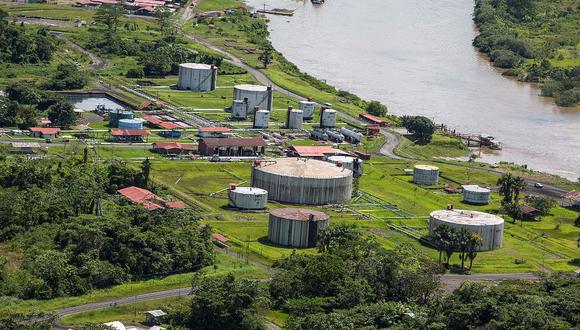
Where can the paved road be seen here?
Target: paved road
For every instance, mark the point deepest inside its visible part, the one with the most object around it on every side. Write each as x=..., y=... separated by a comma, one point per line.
x=96, y=61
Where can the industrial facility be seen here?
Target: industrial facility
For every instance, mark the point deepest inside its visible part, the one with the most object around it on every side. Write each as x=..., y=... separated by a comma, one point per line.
x=426, y=175
x=327, y=117
x=303, y=181
x=115, y=116
x=130, y=124
x=488, y=226
x=297, y=228
x=253, y=96
x=247, y=198
x=197, y=77
x=261, y=118
x=474, y=194
x=232, y=146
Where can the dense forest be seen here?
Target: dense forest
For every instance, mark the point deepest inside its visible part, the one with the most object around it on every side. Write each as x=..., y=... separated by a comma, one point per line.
x=353, y=283
x=536, y=40
x=72, y=233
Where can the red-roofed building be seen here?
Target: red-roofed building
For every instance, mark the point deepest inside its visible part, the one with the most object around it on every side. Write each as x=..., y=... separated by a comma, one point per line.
x=45, y=132
x=219, y=239
x=129, y=135
x=149, y=200
x=169, y=125
x=213, y=132
x=373, y=119
x=153, y=120
x=172, y=148
x=317, y=152
x=232, y=146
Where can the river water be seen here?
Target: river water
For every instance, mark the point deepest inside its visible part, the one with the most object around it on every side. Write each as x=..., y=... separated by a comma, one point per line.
x=416, y=57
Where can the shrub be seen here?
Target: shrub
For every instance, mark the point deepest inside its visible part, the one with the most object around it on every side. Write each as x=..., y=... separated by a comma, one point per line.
x=135, y=73
x=505, y=58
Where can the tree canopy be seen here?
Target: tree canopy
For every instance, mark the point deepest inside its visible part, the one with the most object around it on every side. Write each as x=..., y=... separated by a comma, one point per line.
x=421, y=127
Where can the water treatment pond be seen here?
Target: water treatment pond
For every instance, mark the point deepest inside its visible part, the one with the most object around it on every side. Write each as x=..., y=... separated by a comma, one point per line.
x=416, y=57
x=89, y=102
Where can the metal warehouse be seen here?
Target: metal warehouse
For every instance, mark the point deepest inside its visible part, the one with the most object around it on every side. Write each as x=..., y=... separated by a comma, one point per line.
x=488, y=226
x=232, y=146
x=298, y=228
x=303, y=181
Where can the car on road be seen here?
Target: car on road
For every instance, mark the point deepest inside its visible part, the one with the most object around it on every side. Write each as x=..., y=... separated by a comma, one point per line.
x=538, y=185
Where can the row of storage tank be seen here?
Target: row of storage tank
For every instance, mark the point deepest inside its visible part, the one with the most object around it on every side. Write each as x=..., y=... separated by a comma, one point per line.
x=429, y=175
x=314, y=182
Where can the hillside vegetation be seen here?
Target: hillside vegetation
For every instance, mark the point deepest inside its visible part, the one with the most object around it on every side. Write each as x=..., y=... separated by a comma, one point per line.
x=536, y=40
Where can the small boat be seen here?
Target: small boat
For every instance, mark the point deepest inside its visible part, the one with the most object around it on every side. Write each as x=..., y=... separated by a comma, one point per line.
x=317, y=2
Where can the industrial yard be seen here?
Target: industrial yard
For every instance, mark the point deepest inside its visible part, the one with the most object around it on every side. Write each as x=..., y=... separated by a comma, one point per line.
x=265, y=165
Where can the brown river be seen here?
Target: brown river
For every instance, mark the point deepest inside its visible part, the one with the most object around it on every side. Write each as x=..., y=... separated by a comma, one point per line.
x=416, y=57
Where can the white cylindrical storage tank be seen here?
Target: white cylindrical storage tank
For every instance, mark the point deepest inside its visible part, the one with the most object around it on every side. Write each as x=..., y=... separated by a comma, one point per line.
x=488, y=226
x=475, y=194
x=307, y=108
x=350, y=135
x=328, y=119
x=426, y=175
x=351, y=163
x=130, y=124
x=257, y=96
x=297, y=228
x=239, y=110
x=294, y=119
x=303, y=181
x=247, y=198
x=261, y=119
x=197, y=77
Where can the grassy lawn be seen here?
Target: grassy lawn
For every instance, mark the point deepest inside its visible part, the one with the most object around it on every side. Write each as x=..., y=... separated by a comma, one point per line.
x=225, y=264
x=209, y=5
x=440, y=146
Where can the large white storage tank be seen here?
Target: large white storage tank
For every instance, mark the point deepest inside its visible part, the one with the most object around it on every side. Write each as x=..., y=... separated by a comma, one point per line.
x=239, y=110
x=327, y=118
x=294, y=227
x=256, y=95
x=197, y=77
x=247, y=198
x=426, y=175
x=130, y=124
x=294, y=118
x=307, y=108
x=261, y=119
x=475, y=194
x=303, y=181
x=488, y=226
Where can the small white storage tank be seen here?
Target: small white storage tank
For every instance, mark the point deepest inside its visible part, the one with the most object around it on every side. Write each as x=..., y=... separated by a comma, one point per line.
x=426, y=175
x=294, y=119
x=475, y=194
x=328, y=118
x=257, y=96
x=247, y=198
x=130, y=124
x=239, y=110
x=297, y=228
x=261, y=119
x=197, y=77
x=352, y=163
x=488, y=226
x=350, y=135
x=307, y=108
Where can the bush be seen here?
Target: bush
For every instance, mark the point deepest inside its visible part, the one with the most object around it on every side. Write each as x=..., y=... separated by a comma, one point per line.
x=376, y=108
x=568, y=98
x=135, y=73
x=505, y=58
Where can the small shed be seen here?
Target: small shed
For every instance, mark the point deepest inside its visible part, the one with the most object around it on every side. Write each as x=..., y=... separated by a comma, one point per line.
x=572, y=199
x=154, y=317
x=45, y=132
x=25, y=147
x=529, y=213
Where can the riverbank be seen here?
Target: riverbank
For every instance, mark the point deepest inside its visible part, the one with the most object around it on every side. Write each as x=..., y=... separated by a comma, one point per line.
x=418, y=78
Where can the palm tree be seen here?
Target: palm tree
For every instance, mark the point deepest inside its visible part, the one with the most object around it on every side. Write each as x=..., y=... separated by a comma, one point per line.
x=519, y=184
x=475, y=242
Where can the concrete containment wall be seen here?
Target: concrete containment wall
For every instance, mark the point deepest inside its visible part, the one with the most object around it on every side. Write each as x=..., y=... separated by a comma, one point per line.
x=300, y=181
x=488, y=226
